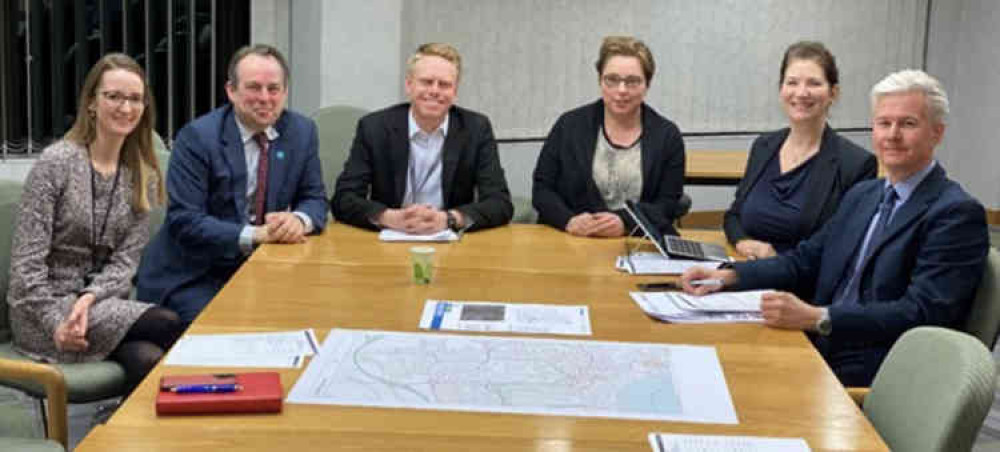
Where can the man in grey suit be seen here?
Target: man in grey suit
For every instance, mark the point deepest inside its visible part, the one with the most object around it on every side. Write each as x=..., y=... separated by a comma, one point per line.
x=902, y=251
x=427, y=165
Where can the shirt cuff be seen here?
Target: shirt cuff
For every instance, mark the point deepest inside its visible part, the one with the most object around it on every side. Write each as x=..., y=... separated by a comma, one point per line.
x=305, y=221
x=246, y=240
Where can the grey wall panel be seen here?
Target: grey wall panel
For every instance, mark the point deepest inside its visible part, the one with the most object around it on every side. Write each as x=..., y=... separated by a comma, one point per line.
x=965, y=36
x=527, y=61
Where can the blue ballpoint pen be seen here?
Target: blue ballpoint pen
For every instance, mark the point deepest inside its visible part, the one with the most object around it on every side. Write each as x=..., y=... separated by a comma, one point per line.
x=206, y=389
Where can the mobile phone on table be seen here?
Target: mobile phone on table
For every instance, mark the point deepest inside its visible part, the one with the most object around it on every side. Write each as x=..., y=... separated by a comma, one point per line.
x=658, y=286
x=169, y=382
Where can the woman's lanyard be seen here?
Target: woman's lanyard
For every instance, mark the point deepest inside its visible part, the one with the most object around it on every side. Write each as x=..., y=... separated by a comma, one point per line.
x=96, y=237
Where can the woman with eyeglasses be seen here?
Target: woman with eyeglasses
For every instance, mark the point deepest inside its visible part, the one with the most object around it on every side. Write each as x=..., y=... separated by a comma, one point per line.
x=82, y=223
x=796, y=176
x=615, y=149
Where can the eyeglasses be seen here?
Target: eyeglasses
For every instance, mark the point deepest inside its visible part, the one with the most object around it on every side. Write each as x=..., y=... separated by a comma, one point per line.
x=118, y=99
x=613, y=81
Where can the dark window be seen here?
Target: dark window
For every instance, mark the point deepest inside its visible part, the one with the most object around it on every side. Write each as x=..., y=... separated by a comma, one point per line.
x=47, y=47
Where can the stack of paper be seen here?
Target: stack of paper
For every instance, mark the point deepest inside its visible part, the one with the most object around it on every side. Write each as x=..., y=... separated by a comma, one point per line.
x=279, y=349
x=652, y=263
x=392, y=235
x=720, y=307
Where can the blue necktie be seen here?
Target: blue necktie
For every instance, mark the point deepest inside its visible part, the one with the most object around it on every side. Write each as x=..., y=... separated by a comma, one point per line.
x=850, y=292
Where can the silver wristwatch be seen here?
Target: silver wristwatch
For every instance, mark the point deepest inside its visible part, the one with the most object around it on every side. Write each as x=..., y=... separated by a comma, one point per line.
x=824, y=327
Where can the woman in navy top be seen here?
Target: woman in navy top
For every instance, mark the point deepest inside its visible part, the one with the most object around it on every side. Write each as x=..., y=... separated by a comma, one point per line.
x=796, y=176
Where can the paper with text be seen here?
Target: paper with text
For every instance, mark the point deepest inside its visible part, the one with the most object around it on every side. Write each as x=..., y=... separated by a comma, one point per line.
x=676, y=307
x=277, y=349
x=649, y=263
x=505, y=317
x=668, y=442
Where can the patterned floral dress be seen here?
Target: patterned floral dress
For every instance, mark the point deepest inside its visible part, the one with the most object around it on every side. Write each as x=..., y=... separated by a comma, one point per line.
x=52, y=257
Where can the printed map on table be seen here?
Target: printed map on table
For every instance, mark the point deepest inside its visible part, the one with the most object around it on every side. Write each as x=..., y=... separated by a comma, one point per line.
x=517, y=375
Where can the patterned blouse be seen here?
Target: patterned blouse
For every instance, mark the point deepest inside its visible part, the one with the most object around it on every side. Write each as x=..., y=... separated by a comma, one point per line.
x=617, y=171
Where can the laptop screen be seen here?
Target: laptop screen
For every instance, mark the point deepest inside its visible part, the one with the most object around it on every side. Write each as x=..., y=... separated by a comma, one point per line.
x=648, y=228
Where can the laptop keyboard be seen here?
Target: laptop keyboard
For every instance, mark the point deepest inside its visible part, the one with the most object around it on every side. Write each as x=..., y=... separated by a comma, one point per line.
x=681, y=246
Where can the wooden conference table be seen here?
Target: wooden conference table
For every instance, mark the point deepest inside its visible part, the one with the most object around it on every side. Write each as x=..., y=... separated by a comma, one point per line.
x=346, y=278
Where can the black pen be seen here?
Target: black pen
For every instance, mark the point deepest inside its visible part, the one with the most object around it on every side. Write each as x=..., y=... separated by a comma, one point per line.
x=658, y=286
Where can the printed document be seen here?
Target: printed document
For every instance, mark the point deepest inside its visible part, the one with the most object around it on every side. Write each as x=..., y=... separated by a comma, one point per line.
x=278, y=349
x=719, y=307
x=667, y=442
x=392, y=235
x=652, y=263
x=505, y=317
x=561, y=377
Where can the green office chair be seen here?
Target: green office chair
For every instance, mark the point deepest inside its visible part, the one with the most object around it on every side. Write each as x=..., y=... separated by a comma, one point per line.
x=84, y=382
x=336, y=126
x=984, y=316
x=16, y=427
x=932, y=392
x=158, y=214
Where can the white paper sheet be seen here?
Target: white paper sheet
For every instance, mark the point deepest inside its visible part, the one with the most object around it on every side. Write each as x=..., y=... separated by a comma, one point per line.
x=517, y=375
x=278, y=349
x=505, y=317
x=665, y=306
x=391, y=235
x=667, y=442
x=650, y=263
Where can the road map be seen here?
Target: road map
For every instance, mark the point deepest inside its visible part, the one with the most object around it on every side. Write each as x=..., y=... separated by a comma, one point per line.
x=517, y=375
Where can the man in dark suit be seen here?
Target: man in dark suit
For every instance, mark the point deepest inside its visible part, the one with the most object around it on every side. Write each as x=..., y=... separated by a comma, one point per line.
x=900, y=252
x=426, y=165
x=244, y=174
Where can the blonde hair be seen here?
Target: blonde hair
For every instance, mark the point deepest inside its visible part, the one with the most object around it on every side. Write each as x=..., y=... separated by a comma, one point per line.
x=913, y=80
x=438, y=49
x=626, y=46
x=137, y=152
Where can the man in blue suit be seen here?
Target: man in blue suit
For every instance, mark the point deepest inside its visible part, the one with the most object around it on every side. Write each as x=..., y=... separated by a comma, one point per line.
x=244, y=174
x=900, y=252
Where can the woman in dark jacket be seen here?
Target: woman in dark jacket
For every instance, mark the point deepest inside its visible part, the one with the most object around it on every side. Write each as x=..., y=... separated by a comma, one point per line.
x=796, y=176
x=616, y=149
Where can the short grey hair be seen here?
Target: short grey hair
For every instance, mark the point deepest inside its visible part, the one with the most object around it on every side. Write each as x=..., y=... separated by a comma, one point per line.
x=914, y=80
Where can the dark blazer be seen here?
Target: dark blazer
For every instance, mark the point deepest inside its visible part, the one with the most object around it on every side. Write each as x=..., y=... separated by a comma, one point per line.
x=924, y=271
x=374, y=176
x=564, y=175
x=838, y=166
x=206, y=186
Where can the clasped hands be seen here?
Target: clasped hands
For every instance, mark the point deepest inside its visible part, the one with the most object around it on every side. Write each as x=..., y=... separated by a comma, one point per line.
x=280, y=227
x=780, y=309
x=417, y=219
x=601, y=224
x=755, y=249
x=71, y=334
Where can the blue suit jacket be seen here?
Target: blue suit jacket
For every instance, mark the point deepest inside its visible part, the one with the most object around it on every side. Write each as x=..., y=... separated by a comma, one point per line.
x=206, y=185
x=924, y=270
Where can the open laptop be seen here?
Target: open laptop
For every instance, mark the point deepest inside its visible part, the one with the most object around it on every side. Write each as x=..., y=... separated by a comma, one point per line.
x=673, y=246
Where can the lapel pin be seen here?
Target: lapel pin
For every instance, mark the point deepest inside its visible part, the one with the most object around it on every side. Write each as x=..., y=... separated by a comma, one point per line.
x=281, y=155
